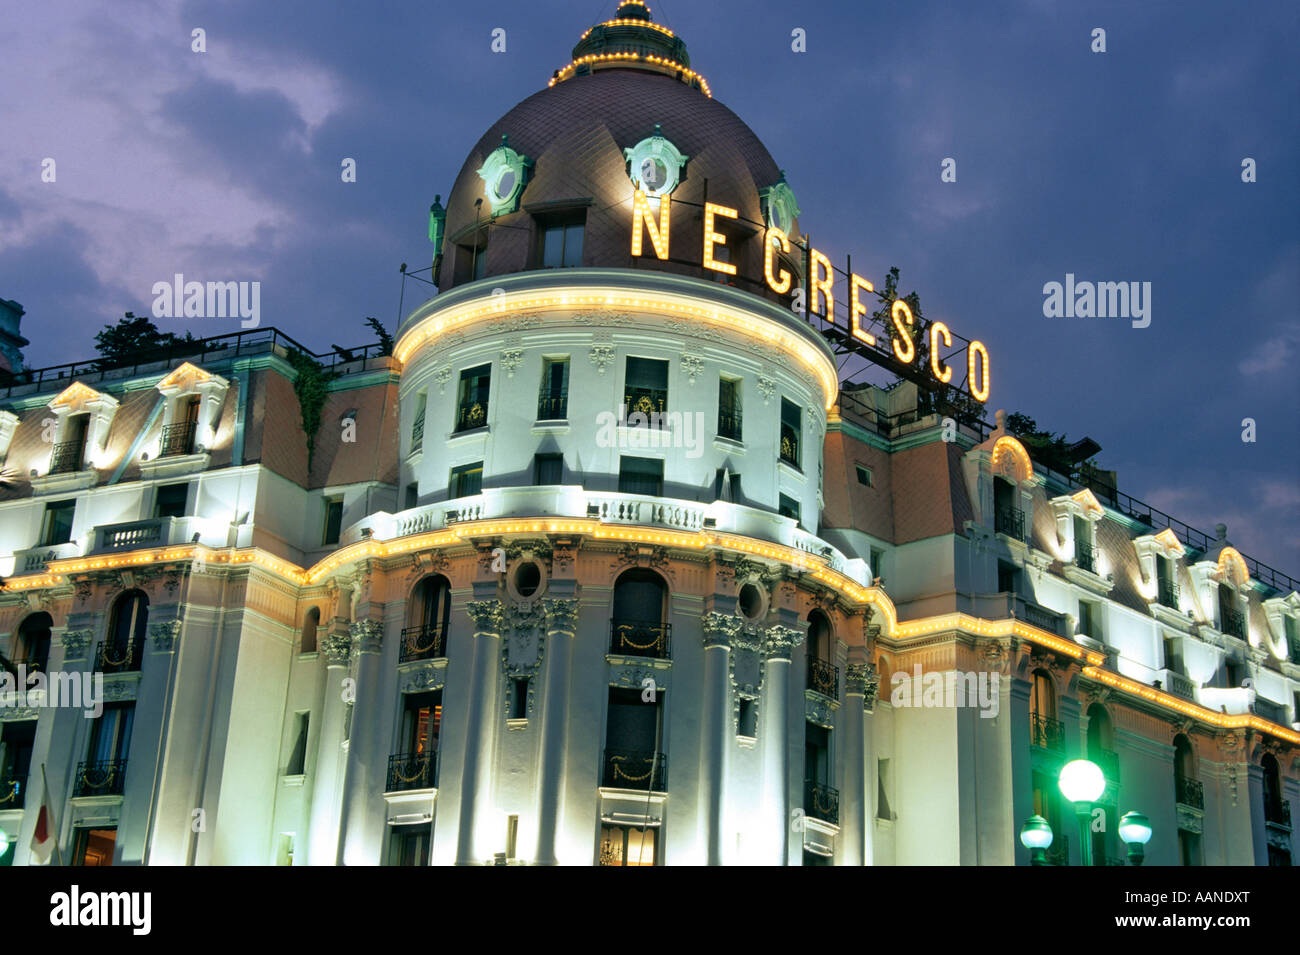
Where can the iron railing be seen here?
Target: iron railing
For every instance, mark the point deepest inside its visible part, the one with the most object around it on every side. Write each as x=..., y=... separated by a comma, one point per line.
x=824, y=678
x=630, y=769
x=1232, y=622
x=821, y=802
x=1167, y=594
x=729, y=424
x=66, y=457
x=1085, y=556
x=1277, y=812
x=647, y=401
x=789, y=445
x=640, y=638
x=105, y=777
x=178, y=438
x=1046, y=733
x=553, y=407
x=1189, y=792
x=13, y=792
x=471, y=415
x=412, y=771
x=113, y=657
x=417, y=434
x=1010, y=521
x=425, y=642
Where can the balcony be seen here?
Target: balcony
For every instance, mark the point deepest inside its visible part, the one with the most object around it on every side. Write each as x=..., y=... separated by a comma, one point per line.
x=1167, y=594
x=134, y=535
x=729, y=424
x=821, y=802
x=1232, y=623
x=1046, y=733
x=471, y=415
x=629, y=769
x=1010, y=521
x=101, y=778
x=553, y=407
x=13, y=792
x=789, y=446
x=824, y=678
x=647, y=401
x=407, y=771
x=34, y=560
x=422, y=643
x=640, y=638
x=1277, y=812
x=417, y=434
x=66, y=457
x=112, y=657
x=178, y=439
x=1189, y=792
x=1085, y=556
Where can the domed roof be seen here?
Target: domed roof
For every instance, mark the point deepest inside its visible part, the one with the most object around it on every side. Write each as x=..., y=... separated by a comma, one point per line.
x=567, y=144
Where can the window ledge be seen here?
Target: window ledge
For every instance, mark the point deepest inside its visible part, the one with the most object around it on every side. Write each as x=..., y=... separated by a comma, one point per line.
x=723, y=443
x=551, y=426
x=470, y=433
x=792, y=468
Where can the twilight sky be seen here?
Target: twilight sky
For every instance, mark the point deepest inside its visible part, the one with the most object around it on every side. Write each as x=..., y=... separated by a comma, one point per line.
x=1116, y=166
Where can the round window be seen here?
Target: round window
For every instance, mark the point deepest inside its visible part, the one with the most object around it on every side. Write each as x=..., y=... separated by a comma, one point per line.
x=528, y=577
x=751, y=602
x=505, y=184
x=654, y=174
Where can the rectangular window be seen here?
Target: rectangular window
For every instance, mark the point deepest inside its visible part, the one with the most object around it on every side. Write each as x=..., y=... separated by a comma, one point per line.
x=1007, y=578
x=1083, y=552
x=298, y=756
x=409, y=845
x=791, y=432
x=633, y=742
x=864, y=476
x=1189, y=848
x=57, y=527
x=68, y=453
x=882, y=790
x=421, y=723
x=412, y=495
x=110, y=734
x=94, y=847
x=562, y=245
x=333, y=520
x=467, y=480
x=512, y=836
x=641, y=476
x=548, y=469
x=788, y=507
x=519, y=698
x=417, y=425
x=645, y=389
x=472, y=409
x=169, y=501
x=878, y=562
x=471, y=261
x=1088, y=624
x=747, y=725
x=553, y=397
x=628, y=845
x=729, y=417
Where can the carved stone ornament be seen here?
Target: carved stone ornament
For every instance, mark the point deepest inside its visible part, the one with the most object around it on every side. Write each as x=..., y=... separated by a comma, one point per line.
x=164, y=635
x=719, y=629
x=442, y=376
x=692, y=365
x=766, y=388
x=562, y=557
x=601, y=356
x=367, y=636
x=75, y=643
x=428, y=675
x=488, y=616
x=337, y=647
x=819, y=710
x=511, y=360
x=778, y=641
x=561, y=616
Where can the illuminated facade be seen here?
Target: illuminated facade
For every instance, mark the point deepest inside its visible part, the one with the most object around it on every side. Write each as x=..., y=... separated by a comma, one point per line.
x=604, y=566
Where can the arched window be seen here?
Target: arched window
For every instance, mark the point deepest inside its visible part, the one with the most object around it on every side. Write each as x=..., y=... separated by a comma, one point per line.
x=1101, y=736
x=123, y=645
x=1184, y=767
x=428, y=615
x=1044, y=729
x=310, y=624
x=32, y=647
x=638, y=627
x=823, y=676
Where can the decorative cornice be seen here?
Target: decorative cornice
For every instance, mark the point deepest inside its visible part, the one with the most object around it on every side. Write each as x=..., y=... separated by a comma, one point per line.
x=75, y=643
x=719, y=629
x=778, y=641
x=367, y=636
x=561, y=616
x=488, y=616
x=164, y=635
x=337, y=647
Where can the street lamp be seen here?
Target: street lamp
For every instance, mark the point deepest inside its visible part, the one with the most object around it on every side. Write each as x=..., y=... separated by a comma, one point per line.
x=1082, y=782
x=1036, y=836
x=1135, y=830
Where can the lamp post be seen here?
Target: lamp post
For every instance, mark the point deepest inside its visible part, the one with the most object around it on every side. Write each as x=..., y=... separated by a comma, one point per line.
x=1135, y=830
x=1036, y=836
x=1082, y=782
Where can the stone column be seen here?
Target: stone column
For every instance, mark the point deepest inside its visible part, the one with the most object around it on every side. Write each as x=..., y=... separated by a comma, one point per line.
x=860, y=683
x=997, y=830
x=367, y=644
x=719, y=630
x=326, y=800
x=778, y=641
x=481, y=718
x=561, y=624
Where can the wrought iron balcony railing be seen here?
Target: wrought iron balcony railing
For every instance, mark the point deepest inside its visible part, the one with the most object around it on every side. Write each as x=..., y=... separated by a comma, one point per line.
x=104, y=777
x=178, y=438
x=412, y=771
x=417, y=434
x=553, y=407
x=789, y=446
x=1232, y=623
x=66, y=457
x=640, y=638
x=824, y=678
x=629, y=769
x=1277, y=812
x=1046, y=733
x=471, y=415
x=729, y=424
x=114, y=657
x=647, y=401
x=13, y=792
x=1189, y=792
x=1010, y=521
x=426, y=642
x=1085, y=556
x=1167, y=594
x=821, y=802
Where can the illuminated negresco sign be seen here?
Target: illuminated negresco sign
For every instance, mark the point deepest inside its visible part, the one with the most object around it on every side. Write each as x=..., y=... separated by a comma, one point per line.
x=821, y=287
